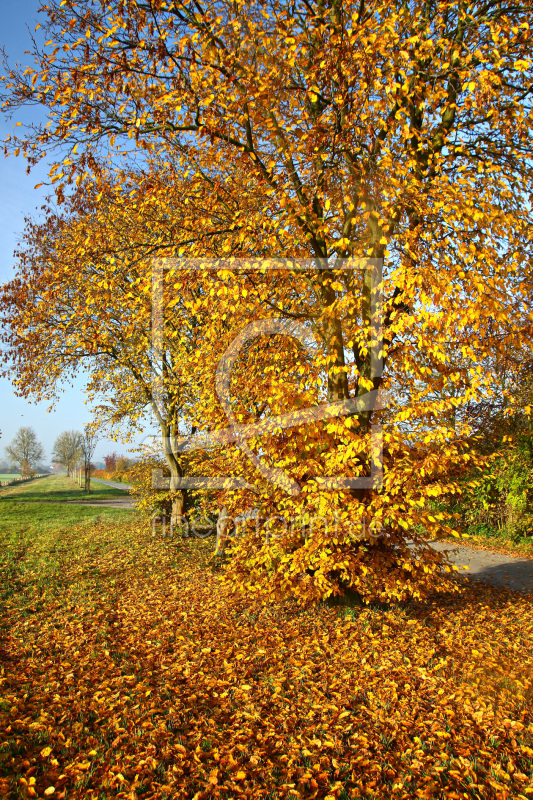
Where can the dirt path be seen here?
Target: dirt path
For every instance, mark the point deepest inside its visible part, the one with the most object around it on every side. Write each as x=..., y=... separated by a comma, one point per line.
x=116, y=502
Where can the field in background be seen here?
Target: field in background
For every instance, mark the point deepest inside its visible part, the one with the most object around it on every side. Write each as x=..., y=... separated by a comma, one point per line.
x=9, y=476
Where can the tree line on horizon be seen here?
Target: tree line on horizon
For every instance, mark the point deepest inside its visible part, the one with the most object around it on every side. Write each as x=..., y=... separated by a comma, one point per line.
x=71, y=449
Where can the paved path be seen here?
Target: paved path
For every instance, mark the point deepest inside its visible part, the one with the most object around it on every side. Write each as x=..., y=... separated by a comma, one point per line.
x=514, y=572
x=113, y=502
x=124, y=486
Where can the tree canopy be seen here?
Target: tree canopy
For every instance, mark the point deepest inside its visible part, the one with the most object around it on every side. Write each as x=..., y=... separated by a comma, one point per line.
x=68, y=448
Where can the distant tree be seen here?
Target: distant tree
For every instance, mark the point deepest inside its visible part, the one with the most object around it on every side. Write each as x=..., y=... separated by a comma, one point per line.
x=67, y=449
x=41, y=469
x=25, y=451
x=88, y=447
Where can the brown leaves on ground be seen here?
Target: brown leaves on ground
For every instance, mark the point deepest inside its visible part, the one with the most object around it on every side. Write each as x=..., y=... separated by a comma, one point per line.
x=136, y=676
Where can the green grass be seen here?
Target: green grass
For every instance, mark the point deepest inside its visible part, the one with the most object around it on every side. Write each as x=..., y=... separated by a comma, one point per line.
x=9, y=476
x=18, y=517
x=46, y=547
x=56, y=488
x=32, y=509
x=40, y=539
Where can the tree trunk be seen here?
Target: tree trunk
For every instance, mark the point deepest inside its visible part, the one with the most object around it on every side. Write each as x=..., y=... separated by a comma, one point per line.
x=222, y=532
x=178, y=507
x=332, y=331
x=179, y=498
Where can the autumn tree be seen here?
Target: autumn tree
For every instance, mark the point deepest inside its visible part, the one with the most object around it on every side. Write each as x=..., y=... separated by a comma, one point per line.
x=84, y=294
x=25, y=451
x=67, y=449
x=398, y=132
x=111, y=462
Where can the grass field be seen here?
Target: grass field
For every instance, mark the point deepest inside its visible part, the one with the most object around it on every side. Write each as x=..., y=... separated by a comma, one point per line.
x=56, y=488
x=9, y=476
x=128, y=669
x=37, y=506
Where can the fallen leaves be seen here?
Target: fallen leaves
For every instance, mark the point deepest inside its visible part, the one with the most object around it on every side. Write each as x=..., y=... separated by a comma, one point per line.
x=144, y=678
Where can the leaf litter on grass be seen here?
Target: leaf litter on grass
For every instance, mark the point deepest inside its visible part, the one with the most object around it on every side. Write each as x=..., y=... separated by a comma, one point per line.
x=130, y=672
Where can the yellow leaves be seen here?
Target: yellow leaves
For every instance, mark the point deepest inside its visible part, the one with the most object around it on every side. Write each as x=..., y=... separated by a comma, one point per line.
x=45, y=752
x=522, y=64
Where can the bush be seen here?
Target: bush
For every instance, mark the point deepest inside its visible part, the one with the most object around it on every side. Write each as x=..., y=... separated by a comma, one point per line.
x=500, y=499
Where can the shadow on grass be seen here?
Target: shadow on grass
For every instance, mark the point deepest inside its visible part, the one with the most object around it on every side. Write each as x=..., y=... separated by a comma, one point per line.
x=34, y=493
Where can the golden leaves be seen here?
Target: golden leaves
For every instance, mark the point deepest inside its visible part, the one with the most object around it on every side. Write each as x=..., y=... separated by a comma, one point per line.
x=332, y=698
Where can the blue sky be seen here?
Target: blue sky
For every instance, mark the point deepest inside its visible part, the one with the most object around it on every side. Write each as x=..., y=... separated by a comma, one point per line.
x=19, y=199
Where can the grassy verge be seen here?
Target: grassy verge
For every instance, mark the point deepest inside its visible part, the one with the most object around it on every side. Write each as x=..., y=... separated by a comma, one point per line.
x=58, y=488
x=129, y=671
x=17, y=517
